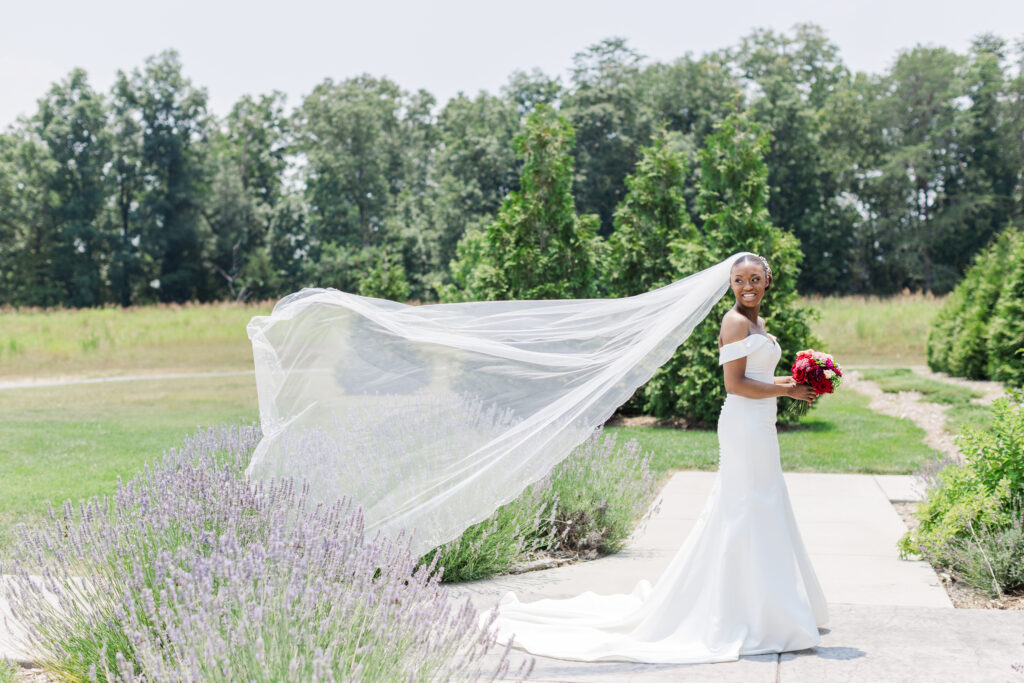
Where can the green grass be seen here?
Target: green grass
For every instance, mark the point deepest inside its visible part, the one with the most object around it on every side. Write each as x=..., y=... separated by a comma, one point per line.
x=73, y=442
x=961, y=413
x=101, y=341
x=840, y=435
x=901, y=379
x=8, y=672
x=873, y=331
x=857, y=330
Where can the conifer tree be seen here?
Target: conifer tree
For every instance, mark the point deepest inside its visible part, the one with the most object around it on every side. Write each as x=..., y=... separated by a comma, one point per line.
x=652, y=225
x=732, y=201
x=537, y=247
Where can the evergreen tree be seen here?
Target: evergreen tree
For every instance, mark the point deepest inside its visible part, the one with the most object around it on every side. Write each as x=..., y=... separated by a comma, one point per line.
x=652, y=225
x=537, y=247
x=958, y=338
x=1006, y=329
x=732, y=200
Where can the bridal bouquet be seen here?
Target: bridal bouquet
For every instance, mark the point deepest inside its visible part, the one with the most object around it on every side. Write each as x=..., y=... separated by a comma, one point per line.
x=817, y=369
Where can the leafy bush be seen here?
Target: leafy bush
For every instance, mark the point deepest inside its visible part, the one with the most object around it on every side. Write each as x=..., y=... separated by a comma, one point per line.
x=589, y=502
x=977, y=332
x=192, y=573
x=971, y=515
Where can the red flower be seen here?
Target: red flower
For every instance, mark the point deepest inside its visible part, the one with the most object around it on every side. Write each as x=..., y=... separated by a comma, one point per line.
x=806, y=370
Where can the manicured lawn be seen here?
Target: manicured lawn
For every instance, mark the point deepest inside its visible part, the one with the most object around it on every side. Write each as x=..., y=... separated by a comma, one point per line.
x=840, y=435
x=73, y=442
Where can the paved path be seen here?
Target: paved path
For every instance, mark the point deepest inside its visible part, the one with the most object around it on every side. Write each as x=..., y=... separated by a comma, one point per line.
x=890, y=619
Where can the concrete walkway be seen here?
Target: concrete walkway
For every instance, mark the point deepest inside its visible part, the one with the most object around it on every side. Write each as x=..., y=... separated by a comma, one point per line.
x=890, y=619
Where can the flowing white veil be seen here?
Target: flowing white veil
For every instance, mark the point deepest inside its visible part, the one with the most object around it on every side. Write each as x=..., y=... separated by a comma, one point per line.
x=431, y=417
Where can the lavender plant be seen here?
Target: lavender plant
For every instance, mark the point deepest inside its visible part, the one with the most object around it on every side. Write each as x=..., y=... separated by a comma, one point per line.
x=599, y=492
x=515, y=530
x=589, y=503
x=191, y=573
x=990, y=559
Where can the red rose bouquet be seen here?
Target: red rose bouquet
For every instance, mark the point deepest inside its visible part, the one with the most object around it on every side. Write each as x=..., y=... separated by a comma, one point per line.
x=818, y=369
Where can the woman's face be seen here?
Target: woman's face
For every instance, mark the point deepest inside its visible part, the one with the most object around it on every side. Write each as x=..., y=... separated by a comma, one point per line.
x=748, y=284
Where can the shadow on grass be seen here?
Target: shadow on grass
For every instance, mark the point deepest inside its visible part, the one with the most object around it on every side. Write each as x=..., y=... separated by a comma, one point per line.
x=814, y=426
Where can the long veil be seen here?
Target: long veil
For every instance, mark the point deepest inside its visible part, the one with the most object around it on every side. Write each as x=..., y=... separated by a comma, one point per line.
x=431, y=417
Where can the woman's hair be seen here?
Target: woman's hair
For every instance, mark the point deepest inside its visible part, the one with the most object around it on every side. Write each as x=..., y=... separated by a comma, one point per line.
x=759, y=260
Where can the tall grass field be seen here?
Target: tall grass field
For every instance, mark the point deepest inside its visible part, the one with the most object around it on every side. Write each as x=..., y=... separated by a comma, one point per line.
x=110, y=341
x=859, y=331
x=875, y=332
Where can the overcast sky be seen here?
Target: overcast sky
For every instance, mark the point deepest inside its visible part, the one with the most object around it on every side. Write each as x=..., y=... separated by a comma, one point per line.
x=443, y=46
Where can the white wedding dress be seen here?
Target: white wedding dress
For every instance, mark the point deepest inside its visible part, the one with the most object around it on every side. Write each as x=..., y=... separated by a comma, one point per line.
x=740, y=584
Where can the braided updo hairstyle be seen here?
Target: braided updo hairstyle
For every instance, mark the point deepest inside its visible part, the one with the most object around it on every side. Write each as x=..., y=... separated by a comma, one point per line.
x=759, y=260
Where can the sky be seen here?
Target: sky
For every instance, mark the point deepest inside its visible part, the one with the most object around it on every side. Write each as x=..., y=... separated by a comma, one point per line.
x=443, y=46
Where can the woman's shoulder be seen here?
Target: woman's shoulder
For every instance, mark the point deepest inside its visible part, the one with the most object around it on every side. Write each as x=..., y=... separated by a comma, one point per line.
x=735, y=327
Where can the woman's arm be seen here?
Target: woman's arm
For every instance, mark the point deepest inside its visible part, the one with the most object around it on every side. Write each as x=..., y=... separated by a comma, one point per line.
x=738, y=383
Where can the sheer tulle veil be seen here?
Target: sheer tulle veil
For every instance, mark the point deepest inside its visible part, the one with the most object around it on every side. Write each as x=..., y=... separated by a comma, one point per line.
x=431, y=417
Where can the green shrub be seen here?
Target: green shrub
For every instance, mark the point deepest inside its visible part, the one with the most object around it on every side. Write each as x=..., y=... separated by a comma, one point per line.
x=537, y=247
x=979, y=328
x=1006, y=329
x=959, y=501
x=971, y=516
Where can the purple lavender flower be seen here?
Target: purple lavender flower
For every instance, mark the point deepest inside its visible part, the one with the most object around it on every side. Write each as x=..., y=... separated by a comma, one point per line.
x=189, y=572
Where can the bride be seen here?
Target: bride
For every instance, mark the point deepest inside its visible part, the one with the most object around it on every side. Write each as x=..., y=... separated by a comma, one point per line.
x=431, y=417
x=741, y=583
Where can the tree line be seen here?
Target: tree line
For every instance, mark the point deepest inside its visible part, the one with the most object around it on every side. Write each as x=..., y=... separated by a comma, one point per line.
x=887, y=181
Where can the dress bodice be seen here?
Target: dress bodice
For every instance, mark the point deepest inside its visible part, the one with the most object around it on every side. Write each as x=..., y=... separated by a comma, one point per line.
x=762, y=353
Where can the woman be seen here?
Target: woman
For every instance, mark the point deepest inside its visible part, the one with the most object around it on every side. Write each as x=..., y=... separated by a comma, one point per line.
x=741, y=583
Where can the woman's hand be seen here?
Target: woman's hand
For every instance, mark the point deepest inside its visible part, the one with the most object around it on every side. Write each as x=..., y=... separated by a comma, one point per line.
x=800, y=392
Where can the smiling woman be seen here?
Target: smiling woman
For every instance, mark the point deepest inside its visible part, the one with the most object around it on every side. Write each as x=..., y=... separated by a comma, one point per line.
x=750, y=278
